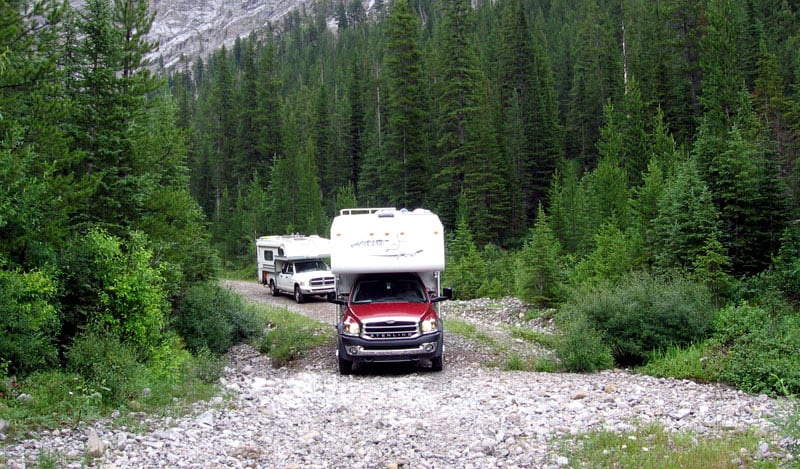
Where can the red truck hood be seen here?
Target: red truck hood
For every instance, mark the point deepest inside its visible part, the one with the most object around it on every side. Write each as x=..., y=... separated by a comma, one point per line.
x=412, y=311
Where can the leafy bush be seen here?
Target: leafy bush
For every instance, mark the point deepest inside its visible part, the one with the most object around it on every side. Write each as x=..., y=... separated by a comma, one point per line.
x=581, y=347
x=29, y=321
x=643, y=314
x=108, y=366
x=114, y=287
x=760, y=350
x=211, y=317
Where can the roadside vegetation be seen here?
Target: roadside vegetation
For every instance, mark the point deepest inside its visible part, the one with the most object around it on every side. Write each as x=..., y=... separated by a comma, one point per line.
x=658, y=221
x=104, y=375
x=653, y=447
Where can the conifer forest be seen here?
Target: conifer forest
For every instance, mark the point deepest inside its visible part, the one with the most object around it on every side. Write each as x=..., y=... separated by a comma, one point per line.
x=624, y=162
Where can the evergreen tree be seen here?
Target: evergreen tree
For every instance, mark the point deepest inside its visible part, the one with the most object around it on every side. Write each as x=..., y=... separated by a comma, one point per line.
x=569, y=210
x=687, y=220
x=110, y=84
x=407, y=167
x=357, y=125
x=294, y=192
x=470, y=160
x=539, y=275
x=597, y=79
x=731, y=155
x=251, y=159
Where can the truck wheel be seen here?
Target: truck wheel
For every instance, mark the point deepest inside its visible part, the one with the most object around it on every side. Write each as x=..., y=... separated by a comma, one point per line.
x=345, y=366
x=272, y=288
x=437, y=364
x=298, y=297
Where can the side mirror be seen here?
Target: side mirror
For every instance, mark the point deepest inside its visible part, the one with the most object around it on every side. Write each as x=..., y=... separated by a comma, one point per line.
x=337, y=301
x=447, y=294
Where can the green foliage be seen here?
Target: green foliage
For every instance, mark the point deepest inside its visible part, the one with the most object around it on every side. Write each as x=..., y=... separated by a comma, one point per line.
x=60, y=399
x=642, y=313
x=696, y=362
x=113, y=286
x=789, y=424
x=291, y=336
x=786, y=265
x=407, y=165
x=207, y=366
x=538, y=269
x=29, y=321
x=615, y=254
x=687, y=220
x=759, y=349
x=654, y=446
x=581, y=348
x=213, y=318
x=499, y=278
x=466, y=270
x=109, y=367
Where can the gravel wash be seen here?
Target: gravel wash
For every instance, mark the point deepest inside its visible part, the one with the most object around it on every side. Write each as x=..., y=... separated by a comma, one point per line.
x=468, y=416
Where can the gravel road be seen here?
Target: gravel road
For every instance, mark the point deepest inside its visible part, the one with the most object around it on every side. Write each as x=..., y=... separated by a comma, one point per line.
x=468, y=416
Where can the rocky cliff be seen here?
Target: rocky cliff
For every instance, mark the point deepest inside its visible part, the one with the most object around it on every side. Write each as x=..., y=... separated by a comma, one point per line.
x=194, y=28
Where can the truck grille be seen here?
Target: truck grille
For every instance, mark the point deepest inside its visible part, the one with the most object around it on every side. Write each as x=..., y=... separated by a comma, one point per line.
x=322, y=281
x=390, y=329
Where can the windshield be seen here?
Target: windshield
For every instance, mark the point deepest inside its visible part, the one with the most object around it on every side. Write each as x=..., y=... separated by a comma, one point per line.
x=388, y=291
x=308, y=266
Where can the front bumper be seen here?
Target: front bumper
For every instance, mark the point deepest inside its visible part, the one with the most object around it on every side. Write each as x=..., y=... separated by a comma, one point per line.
x=316, y=290
x=424, y=347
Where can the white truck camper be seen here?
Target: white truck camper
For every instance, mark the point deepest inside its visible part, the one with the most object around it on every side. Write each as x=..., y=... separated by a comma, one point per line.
x=388, y=264
x=295, y=265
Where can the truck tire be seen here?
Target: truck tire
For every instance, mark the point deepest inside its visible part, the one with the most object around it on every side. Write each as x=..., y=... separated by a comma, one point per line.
x=345, y=366
x=437, y=363
x=298, y=297
x=272, y=288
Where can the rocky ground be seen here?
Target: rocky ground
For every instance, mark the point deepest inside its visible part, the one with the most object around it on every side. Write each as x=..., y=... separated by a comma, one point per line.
x=468, y=416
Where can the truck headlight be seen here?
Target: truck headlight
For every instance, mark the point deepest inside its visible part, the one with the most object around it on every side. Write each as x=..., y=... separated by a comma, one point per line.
x=429, y=325
x=351, y=327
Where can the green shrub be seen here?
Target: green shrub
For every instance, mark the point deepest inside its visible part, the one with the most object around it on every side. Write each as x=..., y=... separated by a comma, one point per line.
x=581, y=347
x=108, y=366
x=695, y=362
x=760, y=350
x=642, y=314
x=29, y=321
x=291, y=335
x=207, y=366
x=214, y=318
x=114, y=286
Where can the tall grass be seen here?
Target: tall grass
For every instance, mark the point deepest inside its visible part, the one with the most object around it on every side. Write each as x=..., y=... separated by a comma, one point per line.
x=653, y=447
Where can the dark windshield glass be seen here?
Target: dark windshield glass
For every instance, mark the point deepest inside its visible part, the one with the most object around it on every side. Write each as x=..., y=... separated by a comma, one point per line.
x=308, y=266
x=386, y=291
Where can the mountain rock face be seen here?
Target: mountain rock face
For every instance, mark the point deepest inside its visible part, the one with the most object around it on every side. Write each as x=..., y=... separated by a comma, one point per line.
x=192, y=28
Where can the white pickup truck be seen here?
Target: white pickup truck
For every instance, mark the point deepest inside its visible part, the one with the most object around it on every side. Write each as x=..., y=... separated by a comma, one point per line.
x=295, y=265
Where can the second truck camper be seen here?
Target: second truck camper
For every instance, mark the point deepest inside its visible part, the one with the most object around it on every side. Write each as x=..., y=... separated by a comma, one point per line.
x=387, y=264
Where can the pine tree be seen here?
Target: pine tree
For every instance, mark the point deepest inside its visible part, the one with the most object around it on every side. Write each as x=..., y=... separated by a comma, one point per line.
x=687, y=220
x=539, y=275
x=597, y=79
x=408, y=167
x=251, y=159
x=110, y=84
